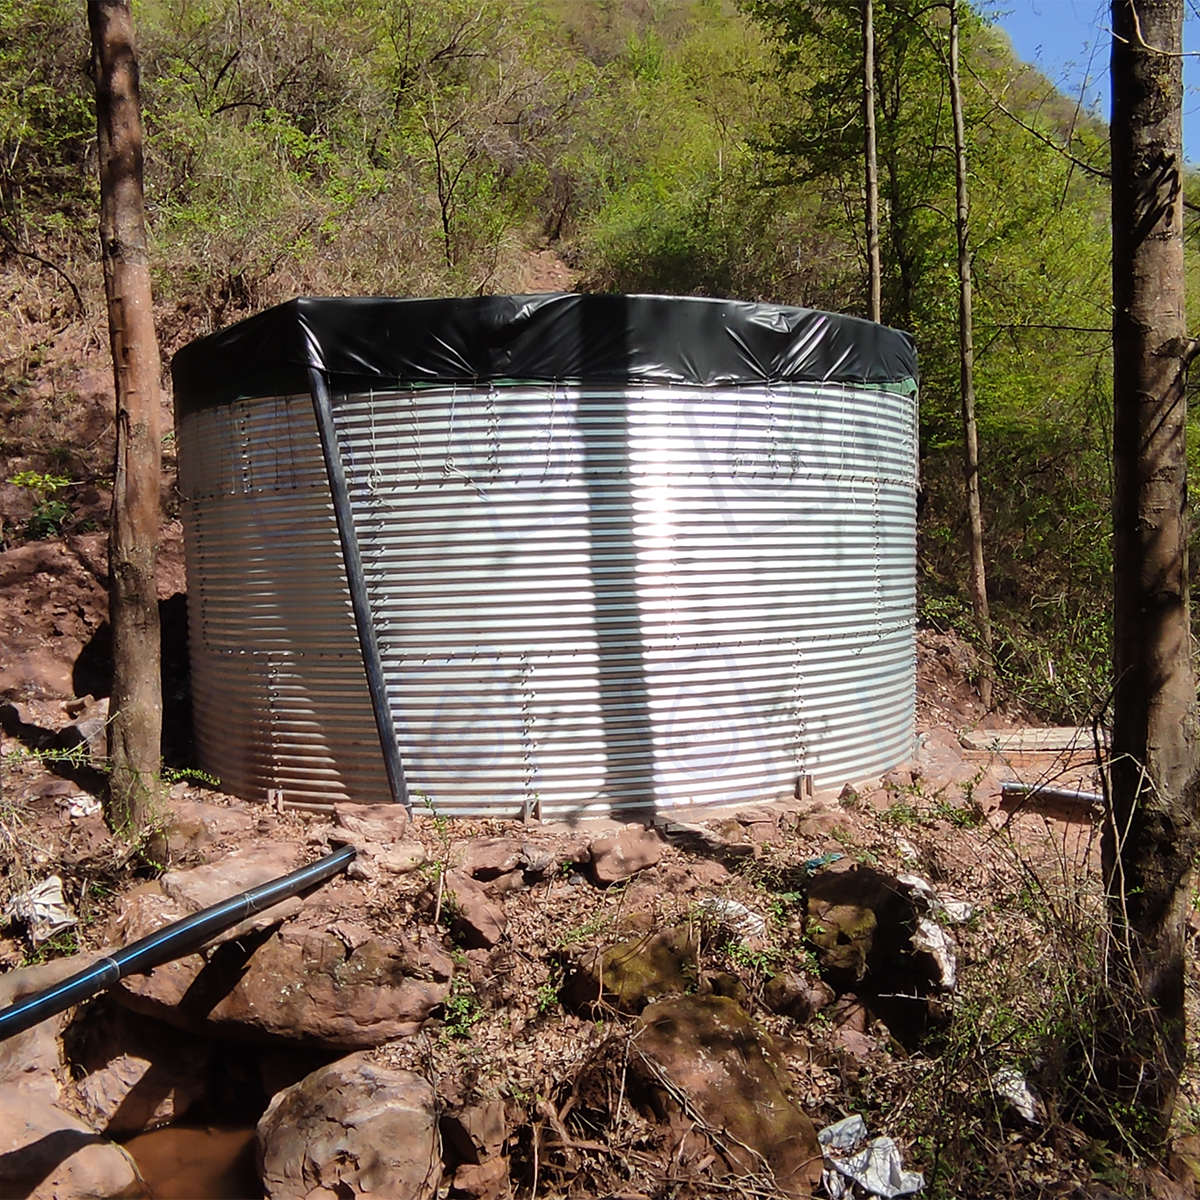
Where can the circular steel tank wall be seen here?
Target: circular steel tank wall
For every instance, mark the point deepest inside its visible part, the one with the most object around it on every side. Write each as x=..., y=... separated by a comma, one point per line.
x=584, y=596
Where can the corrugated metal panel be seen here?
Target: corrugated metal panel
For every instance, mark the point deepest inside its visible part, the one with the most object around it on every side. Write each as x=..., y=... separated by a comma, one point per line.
x=279, y=692
x=663, y=596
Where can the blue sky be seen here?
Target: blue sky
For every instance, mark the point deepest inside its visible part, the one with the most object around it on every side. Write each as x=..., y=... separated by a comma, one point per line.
x=1068, y=41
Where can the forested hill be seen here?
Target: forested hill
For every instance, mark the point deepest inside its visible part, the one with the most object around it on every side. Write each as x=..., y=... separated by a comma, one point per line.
x=387, y=146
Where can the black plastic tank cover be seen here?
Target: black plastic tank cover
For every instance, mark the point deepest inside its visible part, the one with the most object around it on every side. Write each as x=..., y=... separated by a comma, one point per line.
x=360, y=343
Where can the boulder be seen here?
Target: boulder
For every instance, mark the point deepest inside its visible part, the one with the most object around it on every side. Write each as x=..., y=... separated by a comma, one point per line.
x=493, y=859
x=381, y=824
x=476, y=1132
x=793, y=995
x=89, y=729
x=179, y=893
x=238, y=871
x=140, y=1074
x=486, y=858
x=47, y=1154
x=374, y=860
x=860, y=923
x=32, y=1061
x=614, y=859
x=193, y=825
x=632, y=973
x=351, y=1129
x=301, y=982
x=825, y=823
x=401, y=858
x=480, y=1181
x=476, y=921
x=724, y=983
x=707, y=1050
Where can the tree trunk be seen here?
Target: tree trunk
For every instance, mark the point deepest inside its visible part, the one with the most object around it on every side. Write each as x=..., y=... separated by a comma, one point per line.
x=135, y=728
x=966, y=356
x=1150, y=839
x=874, y=271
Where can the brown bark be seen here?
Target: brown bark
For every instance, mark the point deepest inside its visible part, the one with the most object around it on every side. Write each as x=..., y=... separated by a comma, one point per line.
x=1151, y=839
x=966, y=356
x=136, y=723
x=874, y=270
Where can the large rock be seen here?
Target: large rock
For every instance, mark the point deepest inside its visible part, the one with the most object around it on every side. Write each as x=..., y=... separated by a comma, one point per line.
x=477, y=1131
x=860, y=923
x=370, y=824
x=33, y=1061
x=707, y=1050
x=614, y=859
x=493, y=859
x=327, y=985
x=631, y=974
x=140, y=1074
x=178, y=894
x=476, y=921
x=794, y=995
x=193, y=825
x=47, y=1154
x=238, y=871
x=351, y=1129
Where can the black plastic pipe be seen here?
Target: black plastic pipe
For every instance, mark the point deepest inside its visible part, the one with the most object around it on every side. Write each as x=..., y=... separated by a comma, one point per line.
x=356, y=578
x=172, y=941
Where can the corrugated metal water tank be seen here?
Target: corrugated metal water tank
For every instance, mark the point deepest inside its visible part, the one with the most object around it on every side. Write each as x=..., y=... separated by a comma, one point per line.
x=610, y=552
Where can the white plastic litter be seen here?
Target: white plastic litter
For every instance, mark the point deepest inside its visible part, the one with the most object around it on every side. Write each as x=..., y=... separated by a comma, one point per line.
x=933, y=940
x=955, y=912
x=43, y=908
x=906, y=849
x=876, y=1170
x=735, y=917
x=916, y=884
x=844, y=1134
x=83, y=806
x=1009, y=1084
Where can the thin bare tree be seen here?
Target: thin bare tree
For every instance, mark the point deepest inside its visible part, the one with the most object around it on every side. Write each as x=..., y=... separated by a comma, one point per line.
x=966, y=357
x=135, y=727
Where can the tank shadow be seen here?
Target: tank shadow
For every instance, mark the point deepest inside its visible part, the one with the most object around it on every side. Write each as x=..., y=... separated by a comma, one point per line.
x=92, y=675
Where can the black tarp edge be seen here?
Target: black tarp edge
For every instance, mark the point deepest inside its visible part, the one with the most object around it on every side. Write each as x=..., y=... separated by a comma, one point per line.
x=359, y=342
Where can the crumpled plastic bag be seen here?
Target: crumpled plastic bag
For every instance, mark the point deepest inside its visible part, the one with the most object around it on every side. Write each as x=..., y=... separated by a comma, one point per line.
x=844, y=1134
x=734, y=916
x=83, y=805
x=876, y=1170
x=1012, y=1086
x=931, y=938
x=43, y=909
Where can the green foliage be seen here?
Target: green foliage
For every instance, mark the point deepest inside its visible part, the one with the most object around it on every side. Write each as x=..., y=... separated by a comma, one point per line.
x=61, y=945
x=461, y=1011
x=47, y=123
x=189, y=775
x=358, y=146
x=49, y=512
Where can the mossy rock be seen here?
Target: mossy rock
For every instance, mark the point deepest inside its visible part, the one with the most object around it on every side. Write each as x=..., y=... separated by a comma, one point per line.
x=703, y=1056
x=630, y=974
x=860, y=923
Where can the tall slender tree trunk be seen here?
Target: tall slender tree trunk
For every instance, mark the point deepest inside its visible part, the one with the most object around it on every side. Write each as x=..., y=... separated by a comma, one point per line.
x=966, y=356
x=874, y=271
x=135, y=728
x=1151, y=837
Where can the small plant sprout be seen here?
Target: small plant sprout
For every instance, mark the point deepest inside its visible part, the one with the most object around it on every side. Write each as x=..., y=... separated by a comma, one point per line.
x=49, y=512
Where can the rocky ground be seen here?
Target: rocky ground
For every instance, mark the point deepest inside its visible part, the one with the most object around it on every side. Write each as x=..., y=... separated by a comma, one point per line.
x=486, y=1009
